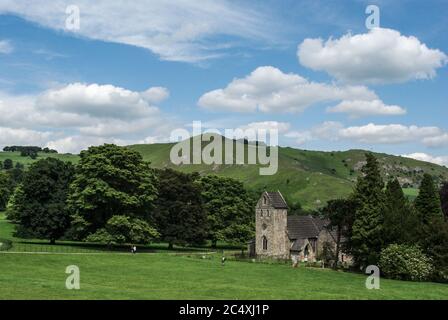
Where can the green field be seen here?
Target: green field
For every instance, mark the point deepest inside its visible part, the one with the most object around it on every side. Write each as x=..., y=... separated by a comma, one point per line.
x=180, y=274
x=310, y=177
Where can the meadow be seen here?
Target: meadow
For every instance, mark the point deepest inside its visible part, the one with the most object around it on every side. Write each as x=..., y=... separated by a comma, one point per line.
x=190, y=273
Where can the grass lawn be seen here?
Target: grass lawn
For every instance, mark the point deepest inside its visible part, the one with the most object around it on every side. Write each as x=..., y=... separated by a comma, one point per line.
x=165, y=276
x=181, y=274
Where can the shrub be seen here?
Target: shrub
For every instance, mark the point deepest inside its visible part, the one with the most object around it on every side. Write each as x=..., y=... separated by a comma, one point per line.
x=405, y=262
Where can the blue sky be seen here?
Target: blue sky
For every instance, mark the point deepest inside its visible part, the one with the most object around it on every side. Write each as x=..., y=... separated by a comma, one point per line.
x=228, y=64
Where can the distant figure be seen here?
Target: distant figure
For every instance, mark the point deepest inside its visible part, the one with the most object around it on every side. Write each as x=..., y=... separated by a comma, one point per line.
x=223, y=260
x=134, y=249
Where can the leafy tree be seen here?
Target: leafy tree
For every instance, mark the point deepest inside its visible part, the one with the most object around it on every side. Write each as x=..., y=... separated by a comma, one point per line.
x=365, y=243
x=123, y=229
x=230, y=209
x=179, y=215
x=341, y=214
x=427, y=202
x=109, y=181
x=8, y=164
x=5, y=189
x=404, y=262
x=434, y=241
x=400, y=221
x=444, y=199
x=40, y=204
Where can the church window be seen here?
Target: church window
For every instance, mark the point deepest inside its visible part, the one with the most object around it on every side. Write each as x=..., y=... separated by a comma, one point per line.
x=265, y=243
x=265, y=200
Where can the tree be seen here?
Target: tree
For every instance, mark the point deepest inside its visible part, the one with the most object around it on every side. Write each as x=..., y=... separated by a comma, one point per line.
x=400, y=221
x=109, y=181
x=427, y=202
x=40, y=206
x=8, y=164
x=230, y=209
x=340, y=213
x=434, y=241
x=444, y=199
x=5, y=190
x=123, y=229
x=179, y=215
x=365, y=243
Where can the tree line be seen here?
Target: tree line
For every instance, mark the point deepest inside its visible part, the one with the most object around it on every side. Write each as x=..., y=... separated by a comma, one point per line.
x=28, y=151
x=381, y=226
x=114, y=197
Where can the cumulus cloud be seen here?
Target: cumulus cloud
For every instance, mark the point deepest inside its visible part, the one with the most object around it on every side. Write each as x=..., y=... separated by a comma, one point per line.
x=101, y=101
x=437, y=141
x=368, y=134
x=379, y=56
x=78, y=115
x=22, y=136
x=174, y=30
x=268, y=89
x=6, y=47
x=329, y=130
x=359, y=108
x=440, y=160
x=388, y=134
x=282, y=127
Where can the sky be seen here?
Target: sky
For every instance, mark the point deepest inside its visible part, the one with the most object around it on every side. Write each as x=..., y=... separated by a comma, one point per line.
x=132, y=72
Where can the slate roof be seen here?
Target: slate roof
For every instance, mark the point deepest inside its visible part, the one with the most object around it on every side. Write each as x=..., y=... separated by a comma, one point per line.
x=276, y=200
x=304, y=227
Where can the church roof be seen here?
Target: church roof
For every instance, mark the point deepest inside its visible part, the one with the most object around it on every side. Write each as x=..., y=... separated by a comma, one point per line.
x=304, y=227
x=276, y=200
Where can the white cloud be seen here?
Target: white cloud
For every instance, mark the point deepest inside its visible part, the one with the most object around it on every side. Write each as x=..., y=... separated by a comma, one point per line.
x=328, y=130
x=156, y=94
x=379, y=56
x=268, y=89
x=282, y=127
x=6, y=47
x=356, y=108
x=99, y=101
x=368, y=134
x=78, y=115
x=22, y=136
x=388, y=134
x=437, y=141
x=441, y=160
x=175, y=30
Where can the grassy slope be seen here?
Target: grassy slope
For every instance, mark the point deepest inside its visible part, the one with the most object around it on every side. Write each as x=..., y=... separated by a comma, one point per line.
x=163, y=276
x=310, y=177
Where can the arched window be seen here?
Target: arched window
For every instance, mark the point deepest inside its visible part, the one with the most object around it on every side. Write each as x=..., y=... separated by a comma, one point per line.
x=265, y=243
x=265, y=200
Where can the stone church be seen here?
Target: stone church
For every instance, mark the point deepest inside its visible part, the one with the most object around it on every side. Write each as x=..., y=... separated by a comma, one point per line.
x=277, y=235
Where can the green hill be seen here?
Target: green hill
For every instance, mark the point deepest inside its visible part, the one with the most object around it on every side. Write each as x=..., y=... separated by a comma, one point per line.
x=310, y=177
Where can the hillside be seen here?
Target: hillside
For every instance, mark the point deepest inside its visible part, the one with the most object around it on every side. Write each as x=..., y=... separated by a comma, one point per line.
x=310, y=177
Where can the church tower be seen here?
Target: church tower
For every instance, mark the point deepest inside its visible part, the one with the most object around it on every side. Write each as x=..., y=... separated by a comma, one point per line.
x=271, y=223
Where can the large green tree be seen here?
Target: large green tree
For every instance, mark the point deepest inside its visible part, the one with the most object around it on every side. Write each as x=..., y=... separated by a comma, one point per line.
x=5, y=189
x=124, y=230
x=230, y=209
x=179, y=215
x=427, y=202
x=365, y=242
x=340, y=214
x=110, y=181
x=444, y=199
x=400, y=221
x=40, y=203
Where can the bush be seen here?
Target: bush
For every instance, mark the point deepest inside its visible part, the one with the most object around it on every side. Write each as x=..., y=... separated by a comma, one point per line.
x=405, y=262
